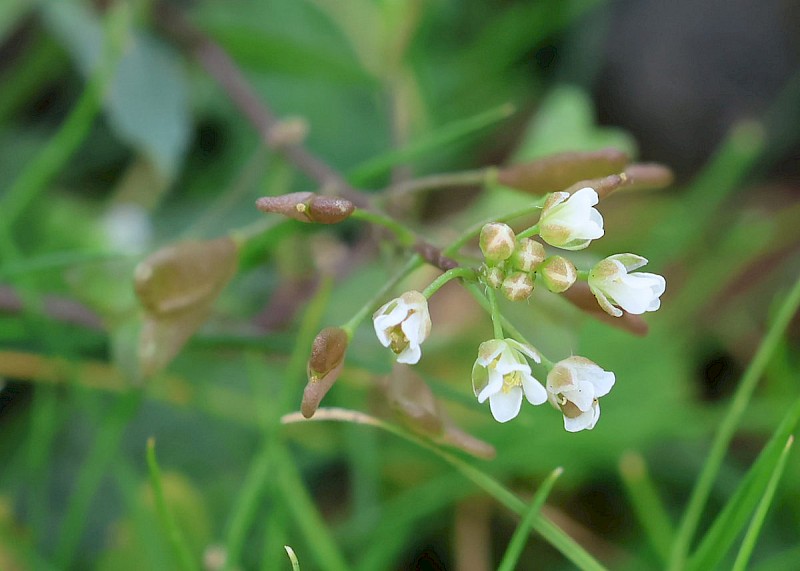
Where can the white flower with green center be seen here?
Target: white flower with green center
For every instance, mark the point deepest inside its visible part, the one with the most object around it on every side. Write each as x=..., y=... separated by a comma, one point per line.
x=573, y=386
x=569, y=221
x=615, y=287
x=502, y=374
x=403, y=324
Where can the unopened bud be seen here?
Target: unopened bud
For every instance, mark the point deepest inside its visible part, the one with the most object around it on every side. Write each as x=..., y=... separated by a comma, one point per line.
x=558, y=274
x=493, y=276
x=497, y=242
x=324, y=366
x=527, y=255
x=518, y=286
x=307, y=207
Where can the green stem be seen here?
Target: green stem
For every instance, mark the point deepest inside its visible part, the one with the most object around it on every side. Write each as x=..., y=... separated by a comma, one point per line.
x=475, y=229
x=495, y=313
x=705, y=481
x=405, y=235
x=464, y=273
x=532, y=231
x=521, y=534
x=413, y=263
x=583, y=275
x=445, y=180
x=507, y=325
x=176, y=539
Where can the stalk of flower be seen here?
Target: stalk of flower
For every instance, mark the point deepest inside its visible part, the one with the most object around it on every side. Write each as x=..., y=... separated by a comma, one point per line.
x=502, y=375
x=617, y=289
x=574, y=386
x=403, y=324
x=570, y=221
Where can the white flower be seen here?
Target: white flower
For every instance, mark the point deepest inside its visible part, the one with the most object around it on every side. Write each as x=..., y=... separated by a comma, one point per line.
x=573, y=386
x=569, y=221
x=615, y=288
x=502, y=375
x=403, y=324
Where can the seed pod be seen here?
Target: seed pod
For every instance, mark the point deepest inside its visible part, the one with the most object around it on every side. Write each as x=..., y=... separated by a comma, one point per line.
x=558, y=274
x=324, y=366
x=307, y=207
x=493, y=276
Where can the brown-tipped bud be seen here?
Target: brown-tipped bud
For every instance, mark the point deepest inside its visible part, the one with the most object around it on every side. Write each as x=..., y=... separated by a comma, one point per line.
x=559, y=171
x=558, y=274
x=493, y=276
x=518, y=286
x=324, y=366
x=287, y=132
x=527, y=255
x=329, y=209
x=307, y=207
x=497, y=242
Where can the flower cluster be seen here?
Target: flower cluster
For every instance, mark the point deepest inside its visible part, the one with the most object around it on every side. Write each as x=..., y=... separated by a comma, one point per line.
x=513, y=263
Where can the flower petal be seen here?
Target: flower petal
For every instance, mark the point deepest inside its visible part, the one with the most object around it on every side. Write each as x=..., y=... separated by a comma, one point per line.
x=410, y=355
x=533, y=389
x=492, y=387
x=585, y=421
x=506, y=405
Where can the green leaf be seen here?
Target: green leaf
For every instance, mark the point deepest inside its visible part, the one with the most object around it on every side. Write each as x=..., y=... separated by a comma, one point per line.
x=565, y=121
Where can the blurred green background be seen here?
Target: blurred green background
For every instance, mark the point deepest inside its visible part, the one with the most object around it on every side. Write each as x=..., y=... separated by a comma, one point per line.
x=116, y=141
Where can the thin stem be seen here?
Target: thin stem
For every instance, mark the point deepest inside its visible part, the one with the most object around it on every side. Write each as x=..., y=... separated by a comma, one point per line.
x=413, y=263
x=705, y=481
x=435, y=285
x=583, y=275
x=507, y=325
x=532, y=231
x=475, y=229
x=495, y=313
x=405, y=235
x=445, y=180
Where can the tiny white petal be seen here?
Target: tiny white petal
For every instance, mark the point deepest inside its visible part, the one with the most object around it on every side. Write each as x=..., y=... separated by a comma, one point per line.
x=534, y=391
x=505, y=406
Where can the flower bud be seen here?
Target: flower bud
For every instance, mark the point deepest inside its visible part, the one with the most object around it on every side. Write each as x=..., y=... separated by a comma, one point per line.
x=324, y=366
x=558, y=274
x=518, y=286
x=493, y=276
x=497, y=242
x=527, y=255
x=307, y=207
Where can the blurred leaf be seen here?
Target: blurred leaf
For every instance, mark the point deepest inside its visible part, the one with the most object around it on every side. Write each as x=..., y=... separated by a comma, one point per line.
x=147, y=102
x=565, y=121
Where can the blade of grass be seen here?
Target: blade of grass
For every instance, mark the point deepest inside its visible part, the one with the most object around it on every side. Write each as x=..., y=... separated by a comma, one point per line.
x=751, y=536
x=36, y=174
x=321, y=544
x=91, y=473
x=727, y=428
x=260, y=472
x=442, y=137
x=554, y=535
x=647, y=504
x=180, y=548
x=292, y=558
x=521, y=534
x=733, y=517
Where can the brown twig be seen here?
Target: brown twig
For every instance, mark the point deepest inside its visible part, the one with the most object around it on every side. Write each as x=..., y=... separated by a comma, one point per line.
x=56, y=308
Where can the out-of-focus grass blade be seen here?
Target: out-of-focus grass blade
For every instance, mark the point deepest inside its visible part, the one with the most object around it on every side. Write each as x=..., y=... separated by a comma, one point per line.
x=729, y=523
x=727, y=428
x=447, y=135
x=517, y=543
x=551, y=533
x=751, y=536
x=647, y=504
x=292, y=558
x=174, y=534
